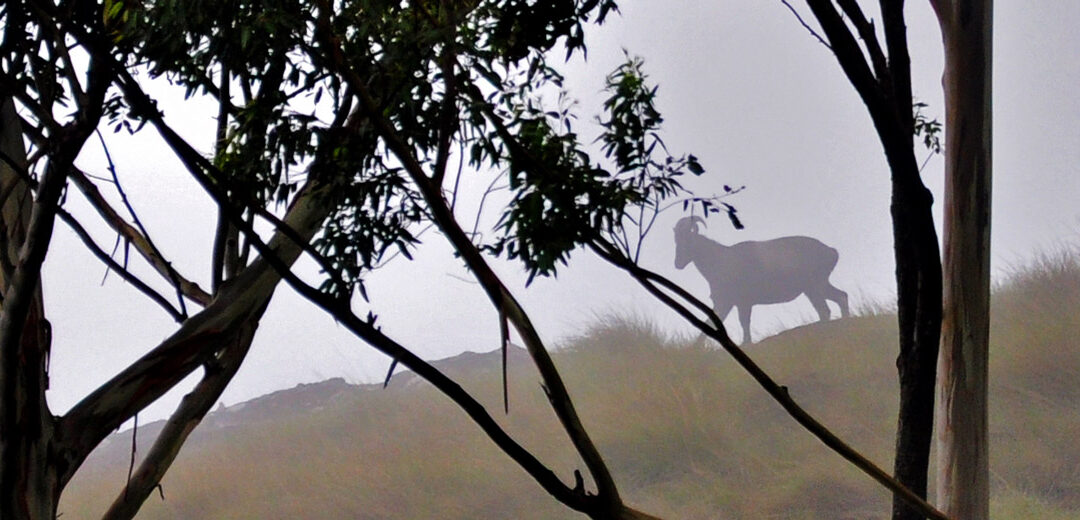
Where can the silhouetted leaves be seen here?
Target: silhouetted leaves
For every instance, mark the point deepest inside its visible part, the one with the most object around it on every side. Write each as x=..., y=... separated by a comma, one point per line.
x=473, y=72
x=930, y=130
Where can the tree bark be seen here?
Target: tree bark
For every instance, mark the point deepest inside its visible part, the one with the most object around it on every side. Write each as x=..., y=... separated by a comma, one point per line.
x=962, y=440
x=884, y=84
x=27, y=480
x=918, y=277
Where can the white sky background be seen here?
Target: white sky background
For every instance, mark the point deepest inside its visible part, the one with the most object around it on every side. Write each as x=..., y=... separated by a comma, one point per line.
x=742, y=85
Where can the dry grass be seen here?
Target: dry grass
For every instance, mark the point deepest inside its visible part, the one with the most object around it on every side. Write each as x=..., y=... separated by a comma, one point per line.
x=686, y=432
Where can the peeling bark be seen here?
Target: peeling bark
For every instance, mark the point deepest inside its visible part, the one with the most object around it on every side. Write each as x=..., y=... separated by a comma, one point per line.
x=963, y=483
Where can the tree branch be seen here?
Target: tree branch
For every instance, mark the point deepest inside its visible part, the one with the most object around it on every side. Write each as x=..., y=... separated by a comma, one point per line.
x=805, y=25
x=373, y=336
x=892, y=14
x=198, y=338
x=847, y=52
x=205, y=172
x=448, y=114
x=224, y=254
x=142, y=243
x=779, y=393
x=192, y=409
x=173, y=277
x=499, y=295
x=865, y=28
x=107, y=259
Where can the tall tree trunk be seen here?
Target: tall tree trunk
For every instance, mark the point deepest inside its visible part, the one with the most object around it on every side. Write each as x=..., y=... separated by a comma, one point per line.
x=883, y=81
x=28, y=484
x=918, y=282
x=962, y=440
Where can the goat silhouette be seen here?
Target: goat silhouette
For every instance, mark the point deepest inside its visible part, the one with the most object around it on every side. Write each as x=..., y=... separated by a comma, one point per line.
x=760, y=272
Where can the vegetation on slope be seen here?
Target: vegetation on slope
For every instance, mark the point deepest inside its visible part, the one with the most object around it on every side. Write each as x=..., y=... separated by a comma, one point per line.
x=687, y=434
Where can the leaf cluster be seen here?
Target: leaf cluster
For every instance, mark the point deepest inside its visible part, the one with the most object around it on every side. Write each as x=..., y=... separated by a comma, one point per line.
x=930, y=130
x=470, y=72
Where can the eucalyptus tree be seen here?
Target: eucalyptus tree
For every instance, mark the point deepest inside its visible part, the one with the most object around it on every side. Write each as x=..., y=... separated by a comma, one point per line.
x=956, y=312
x=342, y=128
x=393, y=85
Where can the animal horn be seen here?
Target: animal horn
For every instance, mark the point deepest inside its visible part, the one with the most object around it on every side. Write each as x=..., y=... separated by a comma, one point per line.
x=688, y=225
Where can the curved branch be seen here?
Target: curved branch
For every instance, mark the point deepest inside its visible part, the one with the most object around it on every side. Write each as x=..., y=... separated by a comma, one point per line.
x=574, y=498
x=142, y=244
x=499, y=295
x=779, y=393
x=107, y=259
x=192, y=409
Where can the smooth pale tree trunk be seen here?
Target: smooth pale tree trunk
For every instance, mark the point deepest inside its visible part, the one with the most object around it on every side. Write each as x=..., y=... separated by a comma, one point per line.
x=961, y=418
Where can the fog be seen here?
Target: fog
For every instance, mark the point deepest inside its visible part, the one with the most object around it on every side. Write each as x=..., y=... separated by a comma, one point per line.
x=742, y=85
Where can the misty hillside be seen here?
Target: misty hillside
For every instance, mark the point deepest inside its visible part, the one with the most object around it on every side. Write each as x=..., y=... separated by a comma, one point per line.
x=686, y=433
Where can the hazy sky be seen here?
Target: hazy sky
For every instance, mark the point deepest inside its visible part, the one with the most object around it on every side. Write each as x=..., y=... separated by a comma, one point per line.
x=742, y=86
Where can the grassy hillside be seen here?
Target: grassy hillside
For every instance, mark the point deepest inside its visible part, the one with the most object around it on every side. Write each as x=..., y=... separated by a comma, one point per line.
x=687, y=433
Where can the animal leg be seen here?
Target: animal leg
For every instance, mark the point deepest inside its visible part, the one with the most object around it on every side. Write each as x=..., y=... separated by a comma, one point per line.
x=820, y=305
x=841, y=299
x=744, y=321
x=722, y=309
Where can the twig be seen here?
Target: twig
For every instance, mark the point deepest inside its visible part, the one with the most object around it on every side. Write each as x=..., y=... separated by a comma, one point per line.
x=492, y=188
x=813, y=32
x=131, y=464
x=112, y=264
x=132, y=235
x=173, y=276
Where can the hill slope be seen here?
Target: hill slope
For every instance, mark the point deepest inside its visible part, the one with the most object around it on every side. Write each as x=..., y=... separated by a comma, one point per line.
x=687, y=433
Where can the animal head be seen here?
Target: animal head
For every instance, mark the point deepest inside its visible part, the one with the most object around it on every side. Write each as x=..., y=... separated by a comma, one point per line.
x=686, y=232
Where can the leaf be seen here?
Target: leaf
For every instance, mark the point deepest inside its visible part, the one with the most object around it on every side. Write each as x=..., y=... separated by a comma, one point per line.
x=390, y=372
x=693, y=165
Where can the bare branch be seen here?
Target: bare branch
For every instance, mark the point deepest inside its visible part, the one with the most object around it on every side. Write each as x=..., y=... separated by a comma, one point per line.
x=113, y=265
x=865, y=28
x=780, y=394
x=238, y=304
x=171, y=273
x=366, y=331
x=142, y=244
x=192, y=409
x=805, y=25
